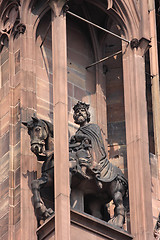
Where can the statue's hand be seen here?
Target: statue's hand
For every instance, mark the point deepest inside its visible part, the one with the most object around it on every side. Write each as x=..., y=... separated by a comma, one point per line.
x=73, y=139
x=84, y=138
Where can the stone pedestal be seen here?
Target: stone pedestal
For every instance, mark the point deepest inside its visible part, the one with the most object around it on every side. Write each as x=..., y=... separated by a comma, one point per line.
x=84, y=226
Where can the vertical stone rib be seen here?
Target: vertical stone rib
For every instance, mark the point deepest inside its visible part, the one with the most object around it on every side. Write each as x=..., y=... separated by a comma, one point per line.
x=137, y=145
x=61, y=154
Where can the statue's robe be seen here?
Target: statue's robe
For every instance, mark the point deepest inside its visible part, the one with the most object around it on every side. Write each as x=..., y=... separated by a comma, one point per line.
x=101, y=167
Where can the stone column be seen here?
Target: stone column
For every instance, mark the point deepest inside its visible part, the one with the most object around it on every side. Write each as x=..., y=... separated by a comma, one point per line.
x=60, y=102
x=154, y=71
x=139, y=178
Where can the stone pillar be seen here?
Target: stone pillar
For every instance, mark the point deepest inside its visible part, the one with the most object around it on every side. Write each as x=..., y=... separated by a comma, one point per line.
x=154, y=71
x=60, y=103
x=139, y=178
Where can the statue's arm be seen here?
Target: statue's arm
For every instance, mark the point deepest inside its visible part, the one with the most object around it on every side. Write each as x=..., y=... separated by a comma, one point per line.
x=82, y=137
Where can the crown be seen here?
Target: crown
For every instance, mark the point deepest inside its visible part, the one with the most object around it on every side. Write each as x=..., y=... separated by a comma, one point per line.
x=81, y=105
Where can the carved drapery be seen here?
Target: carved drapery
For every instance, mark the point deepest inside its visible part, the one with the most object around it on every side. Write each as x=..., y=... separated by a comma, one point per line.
x=10, y=20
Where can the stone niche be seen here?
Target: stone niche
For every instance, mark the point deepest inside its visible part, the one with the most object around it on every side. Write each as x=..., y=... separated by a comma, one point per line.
x=84, y=226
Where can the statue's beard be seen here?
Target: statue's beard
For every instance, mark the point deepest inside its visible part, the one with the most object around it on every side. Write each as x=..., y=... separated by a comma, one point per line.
x=80, y=119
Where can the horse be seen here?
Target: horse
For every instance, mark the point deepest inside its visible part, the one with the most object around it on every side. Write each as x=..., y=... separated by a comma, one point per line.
x=96, y=194
x=41, y=135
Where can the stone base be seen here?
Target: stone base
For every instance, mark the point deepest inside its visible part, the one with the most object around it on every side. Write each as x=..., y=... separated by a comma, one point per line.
x=84, y=226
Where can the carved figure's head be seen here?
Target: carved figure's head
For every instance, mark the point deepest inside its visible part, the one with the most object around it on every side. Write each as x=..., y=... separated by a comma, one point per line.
x=81, y=113
x=38, y=130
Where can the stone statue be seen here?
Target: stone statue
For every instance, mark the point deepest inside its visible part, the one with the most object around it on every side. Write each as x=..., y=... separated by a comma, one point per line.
x=88, y=147
x=157, y=229
x=88, y=151
x=90, y=171
x=41, y=135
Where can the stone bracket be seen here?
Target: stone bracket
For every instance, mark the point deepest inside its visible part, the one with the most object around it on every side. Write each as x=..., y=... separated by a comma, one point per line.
x=134, y=43
x=143, y=44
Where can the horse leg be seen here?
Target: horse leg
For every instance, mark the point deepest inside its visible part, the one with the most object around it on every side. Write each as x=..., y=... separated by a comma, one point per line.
x=119, y=211
x=41, y=211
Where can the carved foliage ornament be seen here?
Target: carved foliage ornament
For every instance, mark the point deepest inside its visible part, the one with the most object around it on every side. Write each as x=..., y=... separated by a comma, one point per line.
x=10, y=20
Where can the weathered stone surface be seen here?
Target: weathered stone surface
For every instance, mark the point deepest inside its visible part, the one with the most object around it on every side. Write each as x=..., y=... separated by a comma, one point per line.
x=116, y=133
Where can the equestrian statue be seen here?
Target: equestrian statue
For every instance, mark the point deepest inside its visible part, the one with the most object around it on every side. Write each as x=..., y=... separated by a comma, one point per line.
x=89, y=168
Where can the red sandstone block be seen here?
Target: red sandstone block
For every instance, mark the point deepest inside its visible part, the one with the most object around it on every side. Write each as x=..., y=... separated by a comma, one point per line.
x=44, y=112
x=17, y=156
x=5, y=105
x=4, y=237
x=16, y=210
x=93, y=101
x=4, y=163
x=14, y=114
x=45, y=91
x=116, y=133
x=17, y=79
x=4, y=207
x=30, y=66
x=18, y=231
x=12, y=179
x=16, y=44
x=17, y=61
x=43, y=74
x=17, y=195
x=70, y=89
x=17, y=177
x=4, y=188
x=114, y=62
x=45, y=104
x=79, y=93
x=4, y=56
x=114, y=92
x=30, y=49
x=39, y=59
x=5, y=90
x=14, y=195
x=73, y=66
x=91, y=81
x=87, y=99
x=5, y=124
x=15, y=94
x=4, y=144
x=31, y=99
x=80, y=43
x=16, y=133
x=78, y=58
x=115, y=112
x=28, y=99
x=5, y=72
x=69, y=104
x=76, y=79
x=4, y=224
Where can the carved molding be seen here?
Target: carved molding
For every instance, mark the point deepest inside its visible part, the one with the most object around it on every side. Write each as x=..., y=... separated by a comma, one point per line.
x=110, y=4
x=58, y=6
x=10, y=23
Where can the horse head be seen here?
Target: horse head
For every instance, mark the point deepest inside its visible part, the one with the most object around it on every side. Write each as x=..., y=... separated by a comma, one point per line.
x=39, y=131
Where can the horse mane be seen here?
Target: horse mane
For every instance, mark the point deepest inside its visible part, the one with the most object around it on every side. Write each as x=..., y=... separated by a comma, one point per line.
x=50, y=127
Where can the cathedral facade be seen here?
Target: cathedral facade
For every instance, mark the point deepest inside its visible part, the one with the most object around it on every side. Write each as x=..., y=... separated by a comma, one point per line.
x=54, y=53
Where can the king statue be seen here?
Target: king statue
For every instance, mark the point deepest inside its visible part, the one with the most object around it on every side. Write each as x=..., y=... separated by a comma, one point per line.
x=87, y=149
